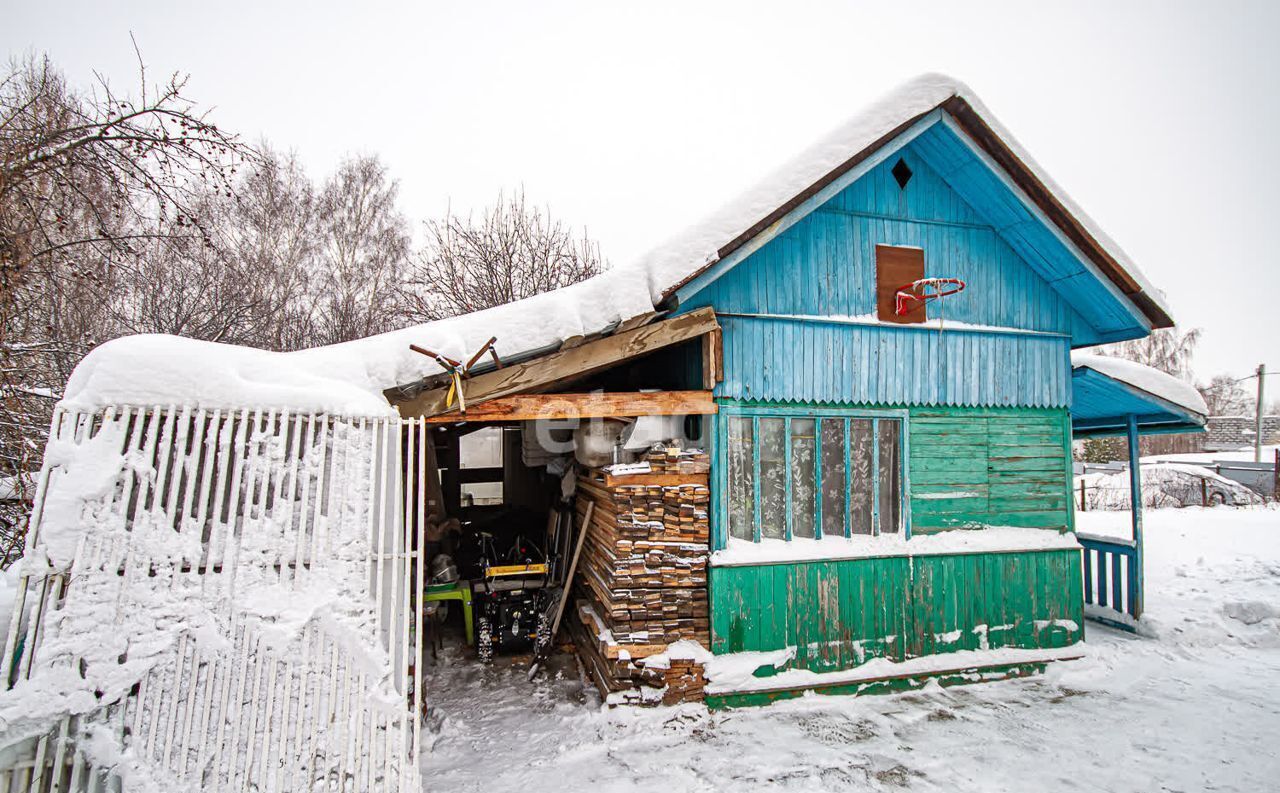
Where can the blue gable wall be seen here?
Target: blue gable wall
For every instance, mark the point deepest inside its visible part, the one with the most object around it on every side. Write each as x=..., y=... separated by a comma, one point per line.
x=815, y=286
x=825, y=264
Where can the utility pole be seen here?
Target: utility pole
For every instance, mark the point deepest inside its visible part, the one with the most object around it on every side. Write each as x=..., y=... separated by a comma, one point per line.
x=1257, y=416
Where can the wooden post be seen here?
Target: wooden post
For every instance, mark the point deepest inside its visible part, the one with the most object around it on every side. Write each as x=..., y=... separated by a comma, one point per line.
x=1135, y=502
x=1204, y=493
x=1257, y=414
x=1083, y=504
x=566, y=591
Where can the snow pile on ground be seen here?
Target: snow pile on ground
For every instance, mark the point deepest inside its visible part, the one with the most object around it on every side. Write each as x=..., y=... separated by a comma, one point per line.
x=1165, y=485
x=1153, y=381
x=1221, y=567
x=1191, y=706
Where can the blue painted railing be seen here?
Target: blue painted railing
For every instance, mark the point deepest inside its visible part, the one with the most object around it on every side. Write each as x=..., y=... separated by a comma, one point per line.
x=1111, y=579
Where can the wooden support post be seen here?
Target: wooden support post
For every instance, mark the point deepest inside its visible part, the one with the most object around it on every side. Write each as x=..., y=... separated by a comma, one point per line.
x=712, y=363
x=1275, y=477
x=1135, y=501
x=1083, y=503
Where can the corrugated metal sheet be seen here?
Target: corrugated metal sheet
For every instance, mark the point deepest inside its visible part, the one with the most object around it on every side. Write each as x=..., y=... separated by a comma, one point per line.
x=808, y=360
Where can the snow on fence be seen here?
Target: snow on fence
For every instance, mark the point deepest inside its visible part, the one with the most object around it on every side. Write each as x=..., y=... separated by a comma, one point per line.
x=218, y=600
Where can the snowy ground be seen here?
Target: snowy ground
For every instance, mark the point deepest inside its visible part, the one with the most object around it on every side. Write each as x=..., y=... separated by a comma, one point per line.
x=1194, y=705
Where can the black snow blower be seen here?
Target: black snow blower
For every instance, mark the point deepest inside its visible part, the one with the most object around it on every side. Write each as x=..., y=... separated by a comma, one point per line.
x=510, y=600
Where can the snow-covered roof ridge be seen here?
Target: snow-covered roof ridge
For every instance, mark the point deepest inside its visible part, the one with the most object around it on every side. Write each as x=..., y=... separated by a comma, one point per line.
x=686, y=255
x=1146, y=378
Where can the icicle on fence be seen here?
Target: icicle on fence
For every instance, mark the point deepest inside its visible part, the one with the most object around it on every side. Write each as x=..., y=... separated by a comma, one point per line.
x=221, y=601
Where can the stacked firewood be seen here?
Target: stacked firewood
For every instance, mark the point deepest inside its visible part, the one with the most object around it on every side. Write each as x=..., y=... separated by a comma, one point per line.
x=643, y=580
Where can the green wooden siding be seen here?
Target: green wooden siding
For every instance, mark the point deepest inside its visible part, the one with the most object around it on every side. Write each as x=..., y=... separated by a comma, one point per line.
x=992, y=467
x=841, y=613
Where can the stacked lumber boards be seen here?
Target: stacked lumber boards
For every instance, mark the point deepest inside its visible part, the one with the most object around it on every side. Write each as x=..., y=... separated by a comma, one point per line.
x=676, y=460
x=643, y=580
x=634, y=674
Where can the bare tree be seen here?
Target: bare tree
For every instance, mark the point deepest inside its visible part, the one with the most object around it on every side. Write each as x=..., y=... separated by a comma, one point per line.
x=364, y=248
x=88, y=176
x=87, y=181
x=1168, y=350
x=512, y=252
x=251, y=287
x=1226, y=397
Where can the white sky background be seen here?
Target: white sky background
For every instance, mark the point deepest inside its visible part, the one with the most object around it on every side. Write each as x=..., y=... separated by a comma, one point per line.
x=1160, y=119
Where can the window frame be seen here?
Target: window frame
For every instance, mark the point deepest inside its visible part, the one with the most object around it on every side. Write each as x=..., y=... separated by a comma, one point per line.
x=720, y=472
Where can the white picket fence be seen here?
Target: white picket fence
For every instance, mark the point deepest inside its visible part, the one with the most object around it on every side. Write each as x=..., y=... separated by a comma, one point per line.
x=218, y=601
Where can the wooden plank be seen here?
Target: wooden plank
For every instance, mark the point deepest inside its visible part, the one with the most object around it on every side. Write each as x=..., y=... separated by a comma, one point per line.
x=528, y=407
x=718, y=336
x=541, y=373
x=895, y=268
x=709, y=361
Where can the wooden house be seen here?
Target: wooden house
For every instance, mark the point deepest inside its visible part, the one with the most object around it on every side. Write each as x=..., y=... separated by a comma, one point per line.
x=889, y=475
x=896, y=484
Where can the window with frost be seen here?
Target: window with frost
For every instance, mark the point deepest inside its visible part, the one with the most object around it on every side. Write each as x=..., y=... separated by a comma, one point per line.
x=794, y=474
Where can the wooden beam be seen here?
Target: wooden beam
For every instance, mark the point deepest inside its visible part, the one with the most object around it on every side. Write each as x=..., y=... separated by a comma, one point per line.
x=527, y=407
x=544, y=372
x=709, y=355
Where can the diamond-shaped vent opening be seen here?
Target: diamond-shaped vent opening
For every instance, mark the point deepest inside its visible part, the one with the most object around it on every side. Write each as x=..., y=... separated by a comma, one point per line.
x=901, y=173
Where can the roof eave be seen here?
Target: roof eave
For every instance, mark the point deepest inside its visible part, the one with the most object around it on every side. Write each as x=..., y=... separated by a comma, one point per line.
x=1025, y=177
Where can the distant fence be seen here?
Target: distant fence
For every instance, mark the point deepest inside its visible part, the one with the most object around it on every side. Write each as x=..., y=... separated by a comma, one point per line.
x=1201, y=493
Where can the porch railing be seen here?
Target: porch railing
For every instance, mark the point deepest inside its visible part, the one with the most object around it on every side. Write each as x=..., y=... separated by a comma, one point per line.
x=1111, y=581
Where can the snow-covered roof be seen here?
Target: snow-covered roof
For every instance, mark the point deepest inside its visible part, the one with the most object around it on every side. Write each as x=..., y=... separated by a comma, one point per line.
x=1143, y=377
x=689, y=253
x=349, y=378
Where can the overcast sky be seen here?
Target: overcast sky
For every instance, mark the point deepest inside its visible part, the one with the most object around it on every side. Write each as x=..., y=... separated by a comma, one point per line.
x=1160, y=119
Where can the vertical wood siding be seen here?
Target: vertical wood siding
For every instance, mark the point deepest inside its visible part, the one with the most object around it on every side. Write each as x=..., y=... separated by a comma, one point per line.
x=978, y=186
x=794, y=360
x=839, y=614
x=786, y=309
x=825, y=264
